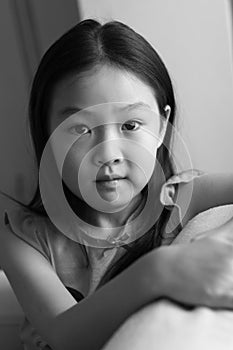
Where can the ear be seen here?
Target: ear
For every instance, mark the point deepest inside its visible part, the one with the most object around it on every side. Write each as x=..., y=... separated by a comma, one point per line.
x=163, y=124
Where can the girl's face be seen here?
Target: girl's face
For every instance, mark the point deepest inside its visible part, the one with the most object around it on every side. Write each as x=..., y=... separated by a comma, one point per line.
x=109, y=142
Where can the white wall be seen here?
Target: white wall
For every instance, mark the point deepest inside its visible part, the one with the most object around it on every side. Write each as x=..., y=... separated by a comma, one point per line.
x=194, y=39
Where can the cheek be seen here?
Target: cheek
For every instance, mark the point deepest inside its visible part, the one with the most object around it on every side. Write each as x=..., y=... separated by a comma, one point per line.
x=71, y=166
x=142, y=156
x=141, y=172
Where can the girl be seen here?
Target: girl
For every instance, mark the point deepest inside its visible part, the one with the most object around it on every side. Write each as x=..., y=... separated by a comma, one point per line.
x=77, y=281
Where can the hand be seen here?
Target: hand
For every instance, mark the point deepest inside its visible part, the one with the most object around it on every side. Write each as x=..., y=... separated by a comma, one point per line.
x=200, y=272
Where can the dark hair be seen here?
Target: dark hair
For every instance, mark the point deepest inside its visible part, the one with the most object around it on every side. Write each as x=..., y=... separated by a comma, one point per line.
x=86, y=45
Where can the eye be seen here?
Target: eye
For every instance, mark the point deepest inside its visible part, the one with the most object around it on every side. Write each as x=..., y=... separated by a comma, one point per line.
x=79, y=129
x=130, y=126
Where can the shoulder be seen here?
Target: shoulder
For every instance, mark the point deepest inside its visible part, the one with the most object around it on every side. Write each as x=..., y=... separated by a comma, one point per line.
x=211, y=190
x=63, y=253
x=194, y=191
x=28, y=226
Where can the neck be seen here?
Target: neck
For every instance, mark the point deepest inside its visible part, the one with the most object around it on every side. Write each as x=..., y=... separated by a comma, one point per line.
x=100, y=219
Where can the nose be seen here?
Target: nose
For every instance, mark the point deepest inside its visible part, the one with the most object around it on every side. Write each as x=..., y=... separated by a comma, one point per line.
x=108, y=151
x=111, y=162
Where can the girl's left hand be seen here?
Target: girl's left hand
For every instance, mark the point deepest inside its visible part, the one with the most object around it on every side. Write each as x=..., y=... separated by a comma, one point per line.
x=200, y=272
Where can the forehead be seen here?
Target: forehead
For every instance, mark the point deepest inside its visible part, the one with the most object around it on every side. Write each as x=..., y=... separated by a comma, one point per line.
x=98, y=86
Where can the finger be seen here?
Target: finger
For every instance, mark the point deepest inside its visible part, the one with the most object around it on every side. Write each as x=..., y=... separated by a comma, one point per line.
x=225, y=302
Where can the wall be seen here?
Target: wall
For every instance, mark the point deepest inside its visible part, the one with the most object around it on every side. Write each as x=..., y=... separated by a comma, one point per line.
x=194, y=39
x=28, y=29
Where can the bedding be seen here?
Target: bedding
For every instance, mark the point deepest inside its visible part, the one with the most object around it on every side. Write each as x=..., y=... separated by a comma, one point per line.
x=165, y=325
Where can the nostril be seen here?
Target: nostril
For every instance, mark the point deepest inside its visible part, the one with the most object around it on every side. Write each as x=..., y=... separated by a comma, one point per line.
x=112, y=161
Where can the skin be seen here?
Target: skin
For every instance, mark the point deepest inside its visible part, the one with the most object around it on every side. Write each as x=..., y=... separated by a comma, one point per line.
x=186, y=273
x=106, y=141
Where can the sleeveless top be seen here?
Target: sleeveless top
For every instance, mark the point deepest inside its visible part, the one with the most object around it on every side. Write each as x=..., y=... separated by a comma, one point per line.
x=61, y=251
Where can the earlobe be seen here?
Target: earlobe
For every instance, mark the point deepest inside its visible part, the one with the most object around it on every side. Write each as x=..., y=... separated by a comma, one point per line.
x=164, y=122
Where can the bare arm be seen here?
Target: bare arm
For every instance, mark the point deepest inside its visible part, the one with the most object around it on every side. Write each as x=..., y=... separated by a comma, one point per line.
x=62, y=322
x=204, y=192
x=199, y=273
x=212, y=190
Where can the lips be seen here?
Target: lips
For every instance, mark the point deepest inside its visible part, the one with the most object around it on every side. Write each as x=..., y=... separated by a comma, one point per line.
x=109, y=178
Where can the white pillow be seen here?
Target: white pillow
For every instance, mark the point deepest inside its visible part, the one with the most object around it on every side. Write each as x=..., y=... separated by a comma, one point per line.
x=165, y=325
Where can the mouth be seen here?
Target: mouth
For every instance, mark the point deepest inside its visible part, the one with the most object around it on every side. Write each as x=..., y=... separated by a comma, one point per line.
x=110, y=184
x=112, y=178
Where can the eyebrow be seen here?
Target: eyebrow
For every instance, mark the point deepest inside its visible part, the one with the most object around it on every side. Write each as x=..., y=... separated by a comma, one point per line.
x=69, y=110
x=135, y=105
